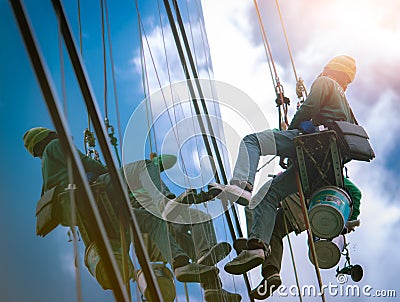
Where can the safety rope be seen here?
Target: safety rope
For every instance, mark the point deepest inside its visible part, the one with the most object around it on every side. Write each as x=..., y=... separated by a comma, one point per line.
x=301, y=90
x=310, y=235
x=145, y=83
x=71, y=186
x=292, y=256
x=80, y=27
x=198, y=114
x=109, y=127
x=281, y=101
x=196, y=206
x=148, y=106
x=175, y=130
x=103, y=44
x=119, y=128
x=156, y=68
x=89, y=140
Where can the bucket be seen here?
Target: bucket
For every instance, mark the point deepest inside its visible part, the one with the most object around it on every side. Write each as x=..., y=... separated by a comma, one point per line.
x=328, y=211
x=96, y=266
x=165, y=281
x=328, y=251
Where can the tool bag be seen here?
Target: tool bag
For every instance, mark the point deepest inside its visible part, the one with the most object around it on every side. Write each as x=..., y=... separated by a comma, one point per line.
x=48, y=212
x=353, y=141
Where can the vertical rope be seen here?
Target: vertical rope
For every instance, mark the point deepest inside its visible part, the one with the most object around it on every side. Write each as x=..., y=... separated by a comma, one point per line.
x=278, y=86
x=300, y=88
x=104, y=59
x=292, y=256
x=71, y=186
x=81, y=53
x=310, y=235
x=113, y=77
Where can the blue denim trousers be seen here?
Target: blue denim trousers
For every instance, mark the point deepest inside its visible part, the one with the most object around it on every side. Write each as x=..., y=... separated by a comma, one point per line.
x=268, y=142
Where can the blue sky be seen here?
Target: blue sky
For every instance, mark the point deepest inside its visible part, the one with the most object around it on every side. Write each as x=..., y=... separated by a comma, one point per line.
x=41, y=269
x=317, y=31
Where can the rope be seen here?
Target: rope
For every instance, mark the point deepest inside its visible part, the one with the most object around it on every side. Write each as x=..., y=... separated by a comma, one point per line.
x=80, y=27
x=198, y=151
x=310, y=235
x=198, y=114
x=81, y=53
x=278, y=86
x=292, y=256
x=71, y=186
x=187, y=181
x=104, y=58
x=145, y=82
x=175, y=130
x=300, y=87
x=113, y=76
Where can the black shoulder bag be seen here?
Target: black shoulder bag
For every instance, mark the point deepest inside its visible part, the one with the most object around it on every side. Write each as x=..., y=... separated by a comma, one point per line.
x=353, y=140
x=48, y=212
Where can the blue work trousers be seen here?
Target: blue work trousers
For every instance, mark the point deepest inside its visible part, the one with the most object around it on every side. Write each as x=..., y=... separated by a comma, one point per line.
x=268, y=142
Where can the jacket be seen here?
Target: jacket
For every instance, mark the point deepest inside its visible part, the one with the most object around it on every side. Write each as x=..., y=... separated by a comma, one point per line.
x=325, y=103
x=54, y=165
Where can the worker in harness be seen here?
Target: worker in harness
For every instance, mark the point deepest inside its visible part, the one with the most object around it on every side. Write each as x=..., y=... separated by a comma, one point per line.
x=325, y=103
x=44, y=143
x=271, y=267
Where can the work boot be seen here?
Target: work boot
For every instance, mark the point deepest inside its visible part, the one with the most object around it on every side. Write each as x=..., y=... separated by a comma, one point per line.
x=221, y=295
x=204, y=197
x=233, y=192
x=215, y=254
x=248, y=259
x=187, y=197
x=194, y=272
x=171, y=208
x=266, y=287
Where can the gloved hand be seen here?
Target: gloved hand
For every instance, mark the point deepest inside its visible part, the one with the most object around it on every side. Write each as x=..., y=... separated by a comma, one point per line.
x=352, y=224
x=307, y=127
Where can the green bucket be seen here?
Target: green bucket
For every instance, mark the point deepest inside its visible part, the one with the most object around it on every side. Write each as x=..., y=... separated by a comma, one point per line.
x=329, y=210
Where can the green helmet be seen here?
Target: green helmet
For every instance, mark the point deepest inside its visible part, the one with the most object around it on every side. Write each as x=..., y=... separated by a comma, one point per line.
x=34, y=136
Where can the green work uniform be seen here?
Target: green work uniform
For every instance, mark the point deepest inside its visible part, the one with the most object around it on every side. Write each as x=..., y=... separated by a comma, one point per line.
x=323, y=105
x=54, y=168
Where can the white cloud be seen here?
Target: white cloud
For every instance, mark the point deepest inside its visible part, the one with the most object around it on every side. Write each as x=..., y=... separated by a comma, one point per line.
x=367, y=30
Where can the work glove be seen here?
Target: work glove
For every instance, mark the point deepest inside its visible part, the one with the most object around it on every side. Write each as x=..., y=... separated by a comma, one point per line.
x=307, y=127
x=352, y=224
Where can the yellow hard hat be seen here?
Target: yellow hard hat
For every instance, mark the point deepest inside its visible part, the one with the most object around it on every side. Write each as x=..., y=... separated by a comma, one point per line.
x=345, y=64
x=34, y=136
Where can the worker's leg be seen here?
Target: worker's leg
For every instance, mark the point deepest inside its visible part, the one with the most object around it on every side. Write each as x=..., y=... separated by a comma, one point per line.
x=272, y=264
x=198, y=236
x=263, y=223
x=171, y=250
x=264, y=213
x=157, y=230
x=268, y=142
